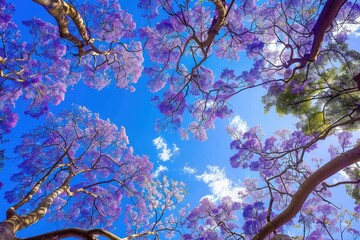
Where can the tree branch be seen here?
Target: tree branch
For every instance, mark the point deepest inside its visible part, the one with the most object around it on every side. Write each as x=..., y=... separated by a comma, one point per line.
x=85, y=234
x=60, y=9
x=19, y=222
x=218, y=21
x=327, y=16
x=75, y=232
x=326, y=185
x=323, y=23
x=344, y=160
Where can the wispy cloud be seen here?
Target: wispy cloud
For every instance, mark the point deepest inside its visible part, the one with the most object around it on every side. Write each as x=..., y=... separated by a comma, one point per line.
x=342, y=175
x=164, y=152
x=237, y=127
x=189, y=170
x=159, y=170
x=175, y=149
x=220, y=186
x=353, y=28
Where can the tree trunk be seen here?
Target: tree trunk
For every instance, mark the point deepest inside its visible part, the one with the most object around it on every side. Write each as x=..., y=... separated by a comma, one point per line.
x=14, y=222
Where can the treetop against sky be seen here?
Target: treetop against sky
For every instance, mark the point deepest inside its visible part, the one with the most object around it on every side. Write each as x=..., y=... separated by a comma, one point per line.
x=97, y=98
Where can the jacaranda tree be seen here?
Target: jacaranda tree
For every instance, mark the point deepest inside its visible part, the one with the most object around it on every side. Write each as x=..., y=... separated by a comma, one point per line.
x=79, y=168
x=299, y=51
x=281, y=38
x=41, y=68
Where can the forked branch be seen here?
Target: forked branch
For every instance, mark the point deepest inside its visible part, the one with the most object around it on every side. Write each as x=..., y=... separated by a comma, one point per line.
x=60, y=9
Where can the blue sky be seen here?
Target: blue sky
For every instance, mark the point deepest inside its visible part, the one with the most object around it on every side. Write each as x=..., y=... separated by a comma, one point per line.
x=203, y=166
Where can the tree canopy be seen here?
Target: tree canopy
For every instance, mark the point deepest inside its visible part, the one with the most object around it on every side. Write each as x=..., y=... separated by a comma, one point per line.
x=79, y=168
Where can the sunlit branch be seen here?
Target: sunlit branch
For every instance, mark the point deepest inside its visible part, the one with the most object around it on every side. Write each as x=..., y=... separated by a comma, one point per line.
x=19, y=222
x=60, y=9
x=218, y=22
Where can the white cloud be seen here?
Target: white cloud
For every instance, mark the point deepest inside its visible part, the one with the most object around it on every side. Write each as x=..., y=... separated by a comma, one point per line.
x=275, y=46
x=354, y=28
x=164, y=152
x=340, y=176
x=159, y=170
x=220, y=186
x=175, y=150
x=189, y=170
x=237, y=127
